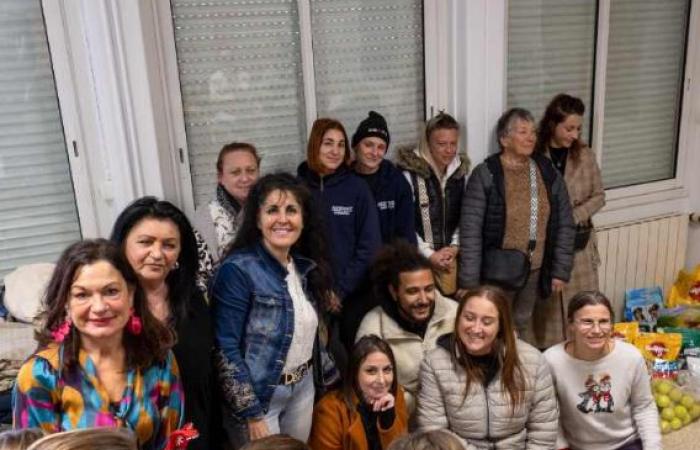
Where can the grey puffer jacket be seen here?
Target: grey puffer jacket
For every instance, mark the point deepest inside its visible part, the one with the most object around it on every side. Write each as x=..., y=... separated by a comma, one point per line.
x=483, y=418
x=483, y=218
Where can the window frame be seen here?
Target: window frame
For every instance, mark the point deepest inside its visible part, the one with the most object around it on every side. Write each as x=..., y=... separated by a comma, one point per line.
x=65, y=81
x=435, y=16
x=655, y=198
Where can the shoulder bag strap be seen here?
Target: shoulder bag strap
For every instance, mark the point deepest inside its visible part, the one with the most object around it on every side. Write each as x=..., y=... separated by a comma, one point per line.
x=424, y=203
x=533, y=207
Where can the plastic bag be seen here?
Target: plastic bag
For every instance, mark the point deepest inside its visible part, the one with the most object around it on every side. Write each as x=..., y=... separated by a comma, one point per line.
x=627, y=331
x=661, y=351
x=685, y=316
x=686, y=289
x=642, y=305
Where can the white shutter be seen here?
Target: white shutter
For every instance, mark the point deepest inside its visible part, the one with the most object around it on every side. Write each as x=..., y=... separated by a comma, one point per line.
x=38, y=216
x=551, y=49
x=240, y=77
x=644, y=79
x=368, y=55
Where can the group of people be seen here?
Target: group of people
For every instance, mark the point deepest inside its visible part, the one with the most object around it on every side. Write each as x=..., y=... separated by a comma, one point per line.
x=352, y=303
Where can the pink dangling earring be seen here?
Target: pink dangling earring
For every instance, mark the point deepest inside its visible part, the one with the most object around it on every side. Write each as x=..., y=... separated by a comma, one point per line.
x=134, y=324
x=59, y=333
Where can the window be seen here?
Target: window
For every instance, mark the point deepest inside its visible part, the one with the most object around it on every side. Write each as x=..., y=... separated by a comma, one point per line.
x=639, y=64
x=551, y=49
x=262, y=70
x=39, y=216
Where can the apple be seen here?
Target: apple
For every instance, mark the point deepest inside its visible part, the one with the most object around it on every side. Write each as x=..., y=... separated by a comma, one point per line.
x=665, y=426
x=675, y=395
x=695, y=411
x=680, y=411
x=664, y=387
x=686, y=420
x=676, y=423
x=687, y=401
x=663, y=401
x=668, y=413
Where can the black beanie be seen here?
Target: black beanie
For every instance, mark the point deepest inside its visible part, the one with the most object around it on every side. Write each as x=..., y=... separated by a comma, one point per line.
x=373, y=125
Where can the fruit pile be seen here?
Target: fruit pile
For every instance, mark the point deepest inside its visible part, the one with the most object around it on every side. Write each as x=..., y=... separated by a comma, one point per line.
x=677, y=409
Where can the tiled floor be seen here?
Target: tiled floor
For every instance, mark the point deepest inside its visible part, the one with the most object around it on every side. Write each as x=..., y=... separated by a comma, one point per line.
x=687, y=438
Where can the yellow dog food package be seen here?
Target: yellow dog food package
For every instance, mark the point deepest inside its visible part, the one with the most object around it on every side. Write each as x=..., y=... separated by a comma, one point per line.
x=686, y=289
x=661, y=351
x=666, y=346
x=627, y=331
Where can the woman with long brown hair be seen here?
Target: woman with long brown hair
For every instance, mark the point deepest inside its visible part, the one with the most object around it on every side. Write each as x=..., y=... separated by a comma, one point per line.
x=508, y=399
x=559, y=138
x=368, y=412
x=103, y=358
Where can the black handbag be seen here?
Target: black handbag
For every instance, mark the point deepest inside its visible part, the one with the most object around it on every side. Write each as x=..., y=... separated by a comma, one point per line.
x=510, y=268
x=505, y=268
x=583, y=235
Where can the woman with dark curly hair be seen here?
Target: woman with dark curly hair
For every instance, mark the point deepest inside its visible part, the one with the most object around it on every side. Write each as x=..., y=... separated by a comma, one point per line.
x=103, y=359
x=160, y=245
x=559, y=138
x=265, y=300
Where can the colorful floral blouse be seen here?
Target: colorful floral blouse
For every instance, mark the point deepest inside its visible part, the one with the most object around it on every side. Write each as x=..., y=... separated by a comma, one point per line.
x=152, y=404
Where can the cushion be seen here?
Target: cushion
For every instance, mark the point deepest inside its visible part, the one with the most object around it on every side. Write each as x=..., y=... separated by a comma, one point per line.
x=24, y=290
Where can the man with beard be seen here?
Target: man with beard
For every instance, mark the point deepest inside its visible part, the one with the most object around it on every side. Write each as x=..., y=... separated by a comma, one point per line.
x=411, y=314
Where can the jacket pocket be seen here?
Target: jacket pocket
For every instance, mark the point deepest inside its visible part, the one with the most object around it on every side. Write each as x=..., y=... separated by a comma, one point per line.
x=266, y=315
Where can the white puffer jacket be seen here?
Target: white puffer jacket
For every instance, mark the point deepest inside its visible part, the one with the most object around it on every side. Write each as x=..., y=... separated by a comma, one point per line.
x=483, y=419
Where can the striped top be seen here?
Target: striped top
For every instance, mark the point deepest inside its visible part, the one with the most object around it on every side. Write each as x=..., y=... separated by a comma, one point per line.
x=152, y=404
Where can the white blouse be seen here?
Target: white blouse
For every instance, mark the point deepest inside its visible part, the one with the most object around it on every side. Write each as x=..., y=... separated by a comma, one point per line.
x=305, y=322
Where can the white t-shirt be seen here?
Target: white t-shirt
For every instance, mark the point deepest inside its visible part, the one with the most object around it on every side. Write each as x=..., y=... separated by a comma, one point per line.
x=604, y=404
x=305, y=322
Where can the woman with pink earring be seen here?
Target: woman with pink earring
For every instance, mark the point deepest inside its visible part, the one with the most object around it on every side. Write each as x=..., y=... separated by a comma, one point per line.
x=160, y=245
x=103, y=359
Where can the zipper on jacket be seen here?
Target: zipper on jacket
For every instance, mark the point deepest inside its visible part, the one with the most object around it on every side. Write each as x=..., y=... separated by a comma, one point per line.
x=488, y=418
x=444, y=219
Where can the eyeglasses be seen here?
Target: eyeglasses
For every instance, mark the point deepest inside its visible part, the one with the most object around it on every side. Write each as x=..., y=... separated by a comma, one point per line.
x=589, y=324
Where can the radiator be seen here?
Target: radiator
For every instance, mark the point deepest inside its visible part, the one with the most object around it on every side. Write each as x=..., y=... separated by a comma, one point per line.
x=641, y=254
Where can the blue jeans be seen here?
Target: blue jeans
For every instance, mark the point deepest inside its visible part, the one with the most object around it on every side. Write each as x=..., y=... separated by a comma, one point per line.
x=290, y=412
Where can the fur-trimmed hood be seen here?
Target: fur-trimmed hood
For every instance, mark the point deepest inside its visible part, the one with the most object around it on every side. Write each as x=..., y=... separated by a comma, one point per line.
x=410, y=159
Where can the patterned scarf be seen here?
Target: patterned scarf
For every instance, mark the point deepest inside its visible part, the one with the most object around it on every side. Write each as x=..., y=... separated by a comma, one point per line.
x=226, y=213
x=227, y=201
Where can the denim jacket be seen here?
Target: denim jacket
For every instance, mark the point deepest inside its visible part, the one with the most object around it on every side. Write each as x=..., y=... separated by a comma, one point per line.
x=253, y=317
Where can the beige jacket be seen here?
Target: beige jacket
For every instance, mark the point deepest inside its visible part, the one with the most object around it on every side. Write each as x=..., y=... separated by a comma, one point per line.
x=483, y=418
x=409, y=348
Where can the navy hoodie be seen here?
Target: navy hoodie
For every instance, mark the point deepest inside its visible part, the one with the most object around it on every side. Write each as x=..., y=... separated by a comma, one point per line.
x=394, y=199
x=351, y=221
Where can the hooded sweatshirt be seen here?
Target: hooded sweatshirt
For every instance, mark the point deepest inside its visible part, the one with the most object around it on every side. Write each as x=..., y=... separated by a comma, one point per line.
x=394, y=200
x=350, y=218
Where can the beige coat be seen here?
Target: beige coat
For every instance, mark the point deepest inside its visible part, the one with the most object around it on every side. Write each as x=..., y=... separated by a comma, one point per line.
x=409, y=348
x=587, y=196
x=482, y=419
